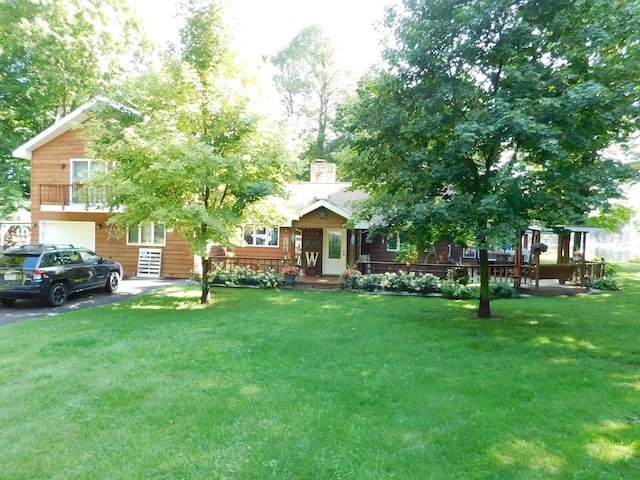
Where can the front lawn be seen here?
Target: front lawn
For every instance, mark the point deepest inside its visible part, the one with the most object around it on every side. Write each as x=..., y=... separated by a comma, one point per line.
x=320, y=385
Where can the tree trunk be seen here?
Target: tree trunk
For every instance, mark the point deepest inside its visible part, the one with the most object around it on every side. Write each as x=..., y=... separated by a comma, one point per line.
x=206, y=287
x=484, y=309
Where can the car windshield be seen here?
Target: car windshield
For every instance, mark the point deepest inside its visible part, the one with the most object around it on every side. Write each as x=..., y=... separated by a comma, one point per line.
x=90, y=257
x=18, y=261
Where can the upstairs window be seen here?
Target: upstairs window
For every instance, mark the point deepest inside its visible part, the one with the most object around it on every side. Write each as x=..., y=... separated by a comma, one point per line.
x=83, y=170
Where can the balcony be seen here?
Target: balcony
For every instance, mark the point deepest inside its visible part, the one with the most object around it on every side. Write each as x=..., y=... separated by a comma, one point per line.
x=72, y=197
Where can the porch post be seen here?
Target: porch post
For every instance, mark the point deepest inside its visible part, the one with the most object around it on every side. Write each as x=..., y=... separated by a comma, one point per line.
x=517, y=262
x=351, y=247
x=583, y=260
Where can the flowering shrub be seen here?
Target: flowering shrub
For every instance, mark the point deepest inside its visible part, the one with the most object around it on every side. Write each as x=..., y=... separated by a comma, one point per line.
x=369, y=283
x=427, y=283
x=269, y=279
x=353, y=279
x=352, y=272
x=389, y=281
x=246, y=276
x=423, y=284
x=400, y=282
x=458, y=291
x=290, y=270
x=219, y=276
x=349, y=278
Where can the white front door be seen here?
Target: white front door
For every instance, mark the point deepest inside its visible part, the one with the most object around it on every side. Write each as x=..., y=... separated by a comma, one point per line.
x=334, y=251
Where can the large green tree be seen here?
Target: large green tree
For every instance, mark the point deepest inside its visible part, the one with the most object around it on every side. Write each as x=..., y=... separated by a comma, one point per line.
x=310, y=84
x=194, y=156
x=494, y=113
x=54, y=56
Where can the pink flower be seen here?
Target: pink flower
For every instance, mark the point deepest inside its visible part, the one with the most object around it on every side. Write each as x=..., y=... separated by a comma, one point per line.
x=290, y=270
x=351, y=271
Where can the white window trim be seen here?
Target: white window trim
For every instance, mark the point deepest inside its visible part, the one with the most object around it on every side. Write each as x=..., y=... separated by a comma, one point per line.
x=393, y=239
x=253, y=225
x=466, y=251
x=150, y=244
x=72, y=180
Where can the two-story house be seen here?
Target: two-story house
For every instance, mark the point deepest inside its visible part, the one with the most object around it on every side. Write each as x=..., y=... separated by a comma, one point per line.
x=317, y=236
x=65, y=210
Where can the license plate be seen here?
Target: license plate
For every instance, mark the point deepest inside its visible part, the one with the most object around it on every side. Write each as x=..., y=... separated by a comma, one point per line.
x=10, y=276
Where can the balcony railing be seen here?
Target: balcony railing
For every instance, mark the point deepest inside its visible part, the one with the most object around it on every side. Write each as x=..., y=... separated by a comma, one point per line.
x=72, y=194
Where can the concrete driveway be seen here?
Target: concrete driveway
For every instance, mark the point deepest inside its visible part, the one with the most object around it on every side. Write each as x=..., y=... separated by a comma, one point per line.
x=29, y=309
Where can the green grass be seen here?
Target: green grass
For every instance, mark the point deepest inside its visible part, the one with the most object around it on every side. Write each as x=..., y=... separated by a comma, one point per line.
x=317, y=385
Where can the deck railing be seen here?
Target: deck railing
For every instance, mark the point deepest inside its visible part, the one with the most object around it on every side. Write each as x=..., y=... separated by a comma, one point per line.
x=72, y=194
x=437, y=269
x=254, y=263
x=498, y=272
x=570, y=272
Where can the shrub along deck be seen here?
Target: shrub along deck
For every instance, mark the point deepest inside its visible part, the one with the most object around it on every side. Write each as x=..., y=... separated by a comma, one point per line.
x=530, y=279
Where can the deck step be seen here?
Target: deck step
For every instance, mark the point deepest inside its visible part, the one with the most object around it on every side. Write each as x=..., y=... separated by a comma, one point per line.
x=317, y=283
x=553, y=290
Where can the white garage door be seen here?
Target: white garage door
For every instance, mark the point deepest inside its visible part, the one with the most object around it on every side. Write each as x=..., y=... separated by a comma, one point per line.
x=78, y=234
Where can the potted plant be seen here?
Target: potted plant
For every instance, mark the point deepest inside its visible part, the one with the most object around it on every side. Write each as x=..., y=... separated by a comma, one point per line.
x=407, y=254
x=459, y=273
x=349, y=278
x=290, y=272
x=536, y=249
x=430, y=254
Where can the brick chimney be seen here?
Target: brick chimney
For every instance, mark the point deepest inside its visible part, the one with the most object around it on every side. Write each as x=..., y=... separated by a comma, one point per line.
x=323, y=172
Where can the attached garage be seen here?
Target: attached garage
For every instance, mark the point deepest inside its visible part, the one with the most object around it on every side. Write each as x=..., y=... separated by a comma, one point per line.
x=79, y=234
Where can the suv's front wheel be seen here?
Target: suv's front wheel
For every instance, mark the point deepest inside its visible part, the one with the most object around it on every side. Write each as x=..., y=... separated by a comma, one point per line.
x=113, y=281
x=58, y=294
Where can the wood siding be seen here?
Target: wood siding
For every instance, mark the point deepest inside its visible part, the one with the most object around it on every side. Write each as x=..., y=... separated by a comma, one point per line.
x=284, y=251
x=46, y=168
x=321, y=218
x=377, y=250
x=47, y=162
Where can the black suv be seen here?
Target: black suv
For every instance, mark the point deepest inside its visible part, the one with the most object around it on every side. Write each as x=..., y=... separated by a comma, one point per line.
x=52, y=272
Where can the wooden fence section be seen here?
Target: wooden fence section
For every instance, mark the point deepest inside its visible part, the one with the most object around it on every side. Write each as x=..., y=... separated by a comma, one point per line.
x=497, y=272
x=437, y=269
x=229, y=263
